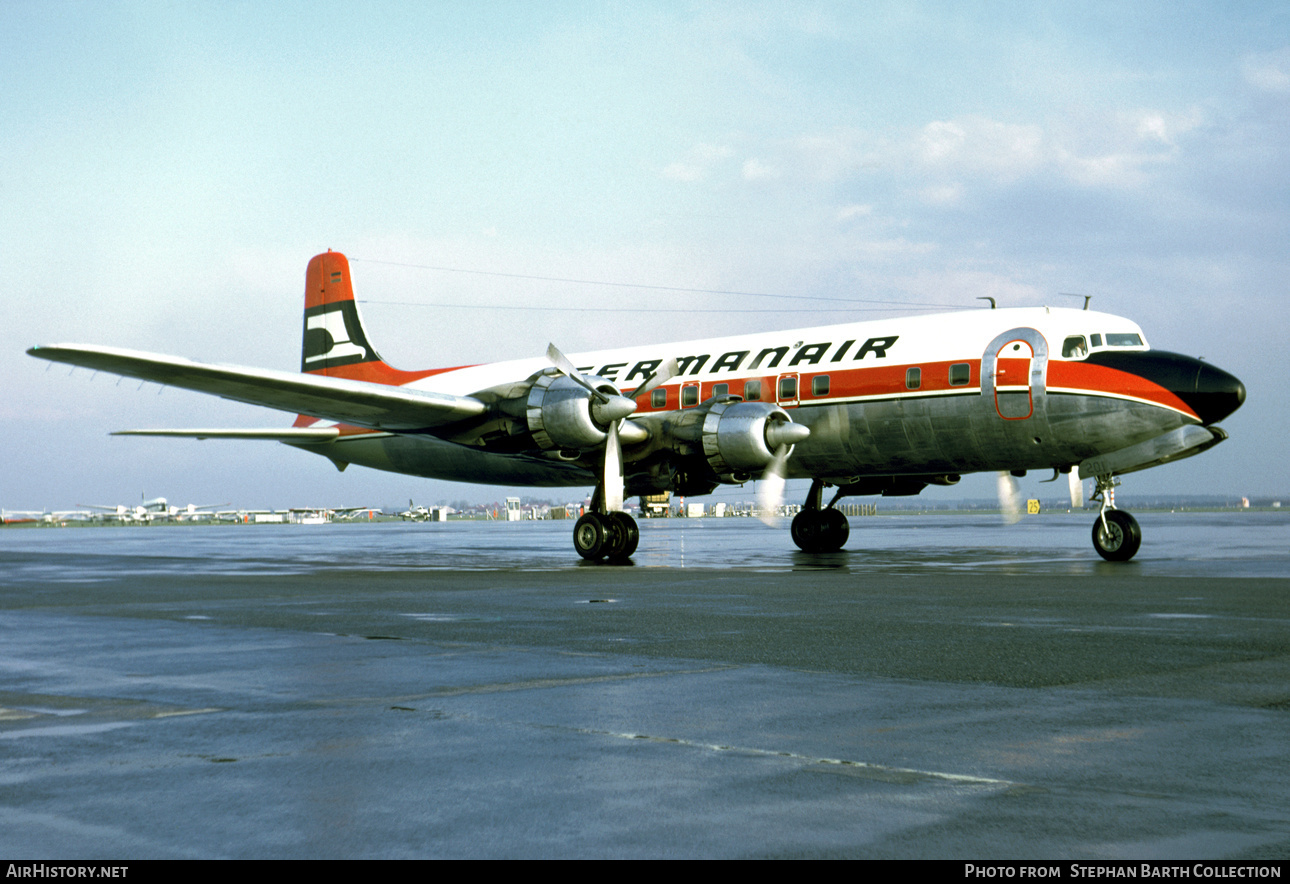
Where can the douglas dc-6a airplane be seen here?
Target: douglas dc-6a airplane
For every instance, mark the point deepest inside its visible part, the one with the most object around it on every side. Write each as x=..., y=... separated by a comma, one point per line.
x=881, y=407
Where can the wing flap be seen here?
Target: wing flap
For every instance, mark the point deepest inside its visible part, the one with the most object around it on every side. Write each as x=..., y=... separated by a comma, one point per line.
x=358, y=403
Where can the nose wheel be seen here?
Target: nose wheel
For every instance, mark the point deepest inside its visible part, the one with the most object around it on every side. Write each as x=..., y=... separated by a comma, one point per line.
x=1116, y=535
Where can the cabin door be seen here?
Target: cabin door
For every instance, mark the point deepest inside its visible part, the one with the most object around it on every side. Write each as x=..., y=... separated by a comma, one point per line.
x=1014, y=372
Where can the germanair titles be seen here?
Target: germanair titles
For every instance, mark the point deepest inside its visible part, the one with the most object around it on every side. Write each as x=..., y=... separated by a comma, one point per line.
x=739, y=360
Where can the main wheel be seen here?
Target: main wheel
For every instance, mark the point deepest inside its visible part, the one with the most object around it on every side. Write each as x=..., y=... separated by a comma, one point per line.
x=836, y=531
x=1120, y=540
x=626, y=536
x=806, y=529
x=820, y=530
x=589, y=536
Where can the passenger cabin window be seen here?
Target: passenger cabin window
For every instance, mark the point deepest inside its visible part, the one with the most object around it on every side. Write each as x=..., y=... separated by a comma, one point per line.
x=820, y=385
x=1074, y=347
x=1123, y=340
x=913, y=378
x=960, y=374
x=720, y=389
x=752, y=391
x=689, y=396
x=787, y=388
x=658, y=398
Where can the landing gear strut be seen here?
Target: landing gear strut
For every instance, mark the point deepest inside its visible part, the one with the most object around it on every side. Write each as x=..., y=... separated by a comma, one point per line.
x=817, y=528
x=1116, y=535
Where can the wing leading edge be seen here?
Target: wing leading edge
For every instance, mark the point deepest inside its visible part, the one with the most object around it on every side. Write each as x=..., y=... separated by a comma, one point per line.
x=359, y=403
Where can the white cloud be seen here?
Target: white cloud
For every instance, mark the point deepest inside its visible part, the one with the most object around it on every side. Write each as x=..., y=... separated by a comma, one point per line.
x=1268, y=71
x=944, y=195
x=1099, y=150
x=848, y=213
x=980, y=145
x=697, y=163
x=756, y=170
x=682, y=172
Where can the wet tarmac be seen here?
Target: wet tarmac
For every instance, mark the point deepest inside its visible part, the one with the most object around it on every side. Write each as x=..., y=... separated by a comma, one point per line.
x=946, y=688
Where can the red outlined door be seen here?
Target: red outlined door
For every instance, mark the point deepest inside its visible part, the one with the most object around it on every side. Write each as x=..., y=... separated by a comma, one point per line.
x=1013, y=398
x=1014, y=376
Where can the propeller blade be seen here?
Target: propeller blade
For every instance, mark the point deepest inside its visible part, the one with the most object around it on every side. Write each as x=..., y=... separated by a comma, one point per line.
x=613, y=477
x=569, y=370
x=661, y=375
x=560, y=361
x=770, y=490
x=1009, y=498
x=1077, y=489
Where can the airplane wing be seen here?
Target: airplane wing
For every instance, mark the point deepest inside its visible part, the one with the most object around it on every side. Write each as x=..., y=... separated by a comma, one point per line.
x=299, y=435
x=362, y=404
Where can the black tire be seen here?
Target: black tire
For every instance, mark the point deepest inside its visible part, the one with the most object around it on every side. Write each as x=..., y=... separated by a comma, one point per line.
x=1121, y=540
x=805, y=530
x=836, y=531
x=631, y=536
x=615, y=537
x=589, y=536
x=820, y=530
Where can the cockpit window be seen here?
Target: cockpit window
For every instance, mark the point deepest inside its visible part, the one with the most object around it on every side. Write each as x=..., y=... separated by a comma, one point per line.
x=1123, y=340
x=1074, y=347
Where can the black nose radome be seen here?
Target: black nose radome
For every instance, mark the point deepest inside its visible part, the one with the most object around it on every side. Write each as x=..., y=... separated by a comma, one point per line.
x=1207, y=390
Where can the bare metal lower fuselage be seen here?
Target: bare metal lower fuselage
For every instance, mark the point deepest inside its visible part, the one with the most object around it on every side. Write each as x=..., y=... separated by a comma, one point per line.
x=942, y=435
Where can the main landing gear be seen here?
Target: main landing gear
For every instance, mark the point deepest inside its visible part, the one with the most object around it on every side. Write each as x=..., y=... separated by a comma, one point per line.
x=612, y=536
x=817, y=528
x=1116, y=535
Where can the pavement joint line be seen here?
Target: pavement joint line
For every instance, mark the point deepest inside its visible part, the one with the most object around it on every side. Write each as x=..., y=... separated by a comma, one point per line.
x=808, y=759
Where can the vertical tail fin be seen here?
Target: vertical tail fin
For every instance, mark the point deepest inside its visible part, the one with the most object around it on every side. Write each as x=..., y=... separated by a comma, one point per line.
x=334, y=341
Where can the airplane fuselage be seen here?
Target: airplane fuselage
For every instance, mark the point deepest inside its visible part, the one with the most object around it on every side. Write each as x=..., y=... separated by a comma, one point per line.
x=932, y=397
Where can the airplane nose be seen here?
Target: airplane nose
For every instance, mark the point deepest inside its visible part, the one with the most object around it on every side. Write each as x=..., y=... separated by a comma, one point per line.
x=1214, y=395
x=1207, y=390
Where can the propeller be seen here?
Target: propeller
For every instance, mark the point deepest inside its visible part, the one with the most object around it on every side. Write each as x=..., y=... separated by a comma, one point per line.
x=610, y=410
x=781, y=436
x=1009, y=490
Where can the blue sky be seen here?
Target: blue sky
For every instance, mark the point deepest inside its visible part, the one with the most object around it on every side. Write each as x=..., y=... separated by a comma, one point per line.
x=167, y=169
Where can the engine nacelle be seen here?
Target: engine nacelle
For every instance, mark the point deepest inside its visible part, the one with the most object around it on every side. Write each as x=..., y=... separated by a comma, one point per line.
x=562, y=414
x=739, y=438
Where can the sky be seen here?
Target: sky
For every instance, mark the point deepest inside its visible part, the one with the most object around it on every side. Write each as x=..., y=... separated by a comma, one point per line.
x=168, y=169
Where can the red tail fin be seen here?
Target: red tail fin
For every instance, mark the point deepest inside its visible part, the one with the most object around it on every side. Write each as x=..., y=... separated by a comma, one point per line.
x=335, y=344
x=334, y=341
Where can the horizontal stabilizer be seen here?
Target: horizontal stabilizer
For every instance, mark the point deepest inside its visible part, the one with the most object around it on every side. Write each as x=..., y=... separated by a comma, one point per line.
x=359, y=403
x=299, y=435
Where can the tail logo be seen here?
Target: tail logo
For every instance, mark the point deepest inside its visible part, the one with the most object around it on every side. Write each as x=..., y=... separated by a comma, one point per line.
x=333, y=337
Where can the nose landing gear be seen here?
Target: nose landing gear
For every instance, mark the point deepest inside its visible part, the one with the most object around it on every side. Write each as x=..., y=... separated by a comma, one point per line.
x=1116, y=535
